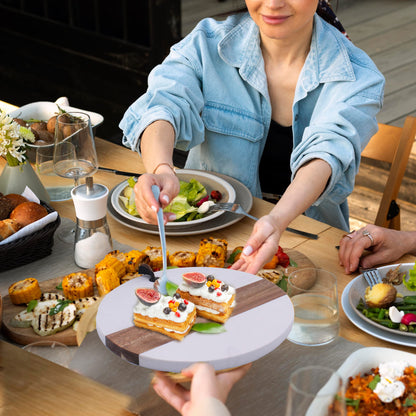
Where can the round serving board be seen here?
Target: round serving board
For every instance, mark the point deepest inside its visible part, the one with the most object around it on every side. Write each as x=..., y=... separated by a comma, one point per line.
x=261, y=320
x=26, y=336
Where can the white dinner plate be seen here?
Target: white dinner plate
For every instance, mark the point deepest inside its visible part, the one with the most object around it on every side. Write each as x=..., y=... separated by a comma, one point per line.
x=210, y=182
x=359, y=285
x=252, y=331
x=370, y=329
x=361, y=362
x=243, y=197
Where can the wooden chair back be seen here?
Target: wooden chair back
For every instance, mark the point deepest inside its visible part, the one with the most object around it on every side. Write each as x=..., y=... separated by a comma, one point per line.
x=393, y=145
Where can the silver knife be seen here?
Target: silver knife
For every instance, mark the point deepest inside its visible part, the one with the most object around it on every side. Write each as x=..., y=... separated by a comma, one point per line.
x=303, y=233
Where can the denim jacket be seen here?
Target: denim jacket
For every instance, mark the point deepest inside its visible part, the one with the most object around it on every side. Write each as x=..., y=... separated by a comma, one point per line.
x=212, y=88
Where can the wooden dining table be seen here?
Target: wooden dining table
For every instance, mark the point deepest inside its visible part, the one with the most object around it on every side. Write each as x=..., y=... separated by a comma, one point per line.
x=322, y=252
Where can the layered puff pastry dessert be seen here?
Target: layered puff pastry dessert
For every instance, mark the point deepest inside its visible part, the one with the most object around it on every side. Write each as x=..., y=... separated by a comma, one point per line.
x=171, y=316
x=214, y=299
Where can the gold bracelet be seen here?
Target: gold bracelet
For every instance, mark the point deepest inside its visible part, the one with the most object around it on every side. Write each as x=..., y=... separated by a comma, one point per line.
x=161, y=164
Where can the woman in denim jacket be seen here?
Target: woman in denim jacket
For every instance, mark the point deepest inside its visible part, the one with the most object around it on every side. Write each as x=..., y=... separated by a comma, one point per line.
x=278, y=79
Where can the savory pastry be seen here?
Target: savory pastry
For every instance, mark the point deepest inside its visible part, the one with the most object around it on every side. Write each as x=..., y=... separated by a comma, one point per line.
x=28, y=212
x=24, y=291
x=77, y=285
x=8, y=227
x=172, y=316
x=155, y=256
x=106, y=280
x=182, y=259
x=212, y=252
x=274, y=276
x=213, y=298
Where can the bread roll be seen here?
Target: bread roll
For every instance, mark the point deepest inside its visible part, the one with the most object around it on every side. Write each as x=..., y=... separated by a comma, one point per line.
x=16, y=199
x=8, y=227
x=28, y=212
x=6, y=207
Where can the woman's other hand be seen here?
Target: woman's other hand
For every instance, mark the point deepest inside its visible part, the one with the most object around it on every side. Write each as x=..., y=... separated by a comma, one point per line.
x=385, y=245
x=260, y=247
x=205, y=384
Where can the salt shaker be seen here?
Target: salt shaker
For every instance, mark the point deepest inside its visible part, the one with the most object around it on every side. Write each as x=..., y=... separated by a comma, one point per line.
x=92, y=234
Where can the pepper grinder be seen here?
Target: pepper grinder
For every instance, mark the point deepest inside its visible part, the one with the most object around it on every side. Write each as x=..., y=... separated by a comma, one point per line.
x=92, y=234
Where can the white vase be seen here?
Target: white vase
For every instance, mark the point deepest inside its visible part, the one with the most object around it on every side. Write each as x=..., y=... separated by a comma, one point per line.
x=14, y=179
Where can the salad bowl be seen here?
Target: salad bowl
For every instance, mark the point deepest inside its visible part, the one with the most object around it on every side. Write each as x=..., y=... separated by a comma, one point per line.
x=209, y=181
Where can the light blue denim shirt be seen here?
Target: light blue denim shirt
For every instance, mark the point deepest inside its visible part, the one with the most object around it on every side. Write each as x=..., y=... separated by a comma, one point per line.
x=213, y=89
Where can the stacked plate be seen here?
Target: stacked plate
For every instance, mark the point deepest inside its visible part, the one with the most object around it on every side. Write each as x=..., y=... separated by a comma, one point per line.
x=355, y=290
x=231, y=190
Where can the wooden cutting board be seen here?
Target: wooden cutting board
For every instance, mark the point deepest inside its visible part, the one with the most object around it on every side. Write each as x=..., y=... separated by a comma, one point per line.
x=26, y=336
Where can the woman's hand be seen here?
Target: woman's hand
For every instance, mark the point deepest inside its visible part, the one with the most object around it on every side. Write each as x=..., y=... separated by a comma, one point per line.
x=385, y=245
x=260, y=247
x=205, y=384
x=146, y=204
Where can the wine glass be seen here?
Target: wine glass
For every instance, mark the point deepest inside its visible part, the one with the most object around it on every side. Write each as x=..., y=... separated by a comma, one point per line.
x=74, y=153
x=315, y=390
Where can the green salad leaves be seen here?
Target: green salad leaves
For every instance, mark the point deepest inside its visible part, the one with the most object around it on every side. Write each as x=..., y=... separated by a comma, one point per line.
x=184, y=205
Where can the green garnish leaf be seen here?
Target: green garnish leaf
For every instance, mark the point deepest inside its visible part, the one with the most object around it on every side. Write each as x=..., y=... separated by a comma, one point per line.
x=355, y=403
x=233, y=255
x=411, y=282
x=171, y=287
x=208, y=328
x=410, y=401
x=59, y=287
x=292, y=263
x=373, y=383
x=60, y=306
x=282, y=283
x=31, y=305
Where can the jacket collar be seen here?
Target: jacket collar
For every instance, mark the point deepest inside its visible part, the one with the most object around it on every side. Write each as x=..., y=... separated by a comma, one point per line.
x=327, y=61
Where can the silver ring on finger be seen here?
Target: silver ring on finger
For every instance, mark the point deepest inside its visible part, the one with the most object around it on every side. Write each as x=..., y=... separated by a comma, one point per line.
x=366, y=233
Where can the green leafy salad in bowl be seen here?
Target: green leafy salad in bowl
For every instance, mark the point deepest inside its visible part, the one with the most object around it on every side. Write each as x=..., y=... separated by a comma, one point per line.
x=186, y=205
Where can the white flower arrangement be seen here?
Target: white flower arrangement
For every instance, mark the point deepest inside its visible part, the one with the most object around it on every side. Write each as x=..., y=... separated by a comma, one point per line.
x=13, y=140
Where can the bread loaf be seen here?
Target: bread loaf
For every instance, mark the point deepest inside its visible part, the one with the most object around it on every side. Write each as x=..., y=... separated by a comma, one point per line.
x=28, y=212
x=16, y=199
x=6, y=207
x=8, y=227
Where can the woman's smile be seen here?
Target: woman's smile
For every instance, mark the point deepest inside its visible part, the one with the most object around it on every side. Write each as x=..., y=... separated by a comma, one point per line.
x=274, y=20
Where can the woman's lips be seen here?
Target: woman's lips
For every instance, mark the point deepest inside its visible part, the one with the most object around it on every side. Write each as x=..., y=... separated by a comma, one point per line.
x=274, y=20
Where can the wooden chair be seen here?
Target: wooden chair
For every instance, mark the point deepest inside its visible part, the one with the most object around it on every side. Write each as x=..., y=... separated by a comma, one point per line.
x=393, y=145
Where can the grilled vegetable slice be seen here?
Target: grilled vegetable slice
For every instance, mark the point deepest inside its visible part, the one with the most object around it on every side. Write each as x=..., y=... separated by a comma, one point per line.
x=84, y=303
x=182, y=259
x=106, y=280
x=22, y=320
x=24, y=291
x=212, y=252
x=77, y=285
x=44, y=324
x=51, y=296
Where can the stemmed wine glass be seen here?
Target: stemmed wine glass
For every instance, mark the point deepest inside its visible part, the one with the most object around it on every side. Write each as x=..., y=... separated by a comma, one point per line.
x=74, y=153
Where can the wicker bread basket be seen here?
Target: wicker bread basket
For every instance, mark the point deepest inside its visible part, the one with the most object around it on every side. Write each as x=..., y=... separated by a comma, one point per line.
x=29, y=248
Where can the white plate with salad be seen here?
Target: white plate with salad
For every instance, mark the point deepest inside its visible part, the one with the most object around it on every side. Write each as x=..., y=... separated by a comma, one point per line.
x=196, y=187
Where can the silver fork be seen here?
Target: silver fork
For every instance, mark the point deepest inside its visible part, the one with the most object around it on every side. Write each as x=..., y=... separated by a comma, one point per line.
x=238, y=209
x=372, y=276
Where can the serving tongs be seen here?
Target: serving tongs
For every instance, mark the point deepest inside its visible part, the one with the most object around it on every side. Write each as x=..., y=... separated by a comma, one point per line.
x=238, y=209
x=160, y=283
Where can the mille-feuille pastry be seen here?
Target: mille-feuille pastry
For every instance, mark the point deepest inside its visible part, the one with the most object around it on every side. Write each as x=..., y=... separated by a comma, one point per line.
x=182, y=259
x=212, y=252
x=171, y=316
x=214, y=299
